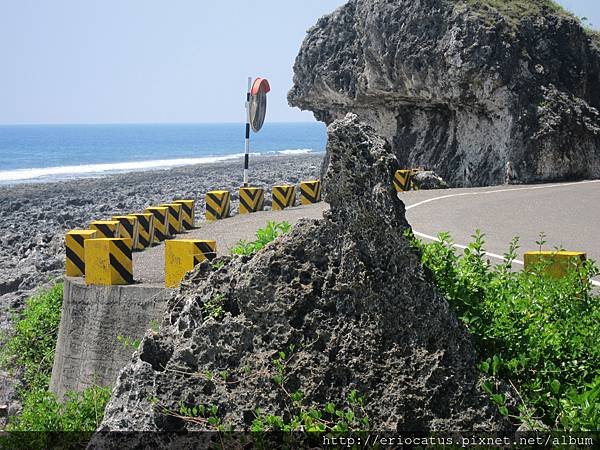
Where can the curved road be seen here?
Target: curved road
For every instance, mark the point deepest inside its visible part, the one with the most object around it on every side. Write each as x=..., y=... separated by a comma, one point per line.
x=568, y=213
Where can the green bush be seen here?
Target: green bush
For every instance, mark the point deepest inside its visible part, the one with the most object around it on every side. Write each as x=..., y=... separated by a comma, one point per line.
x=263, y=237
x=539, y=333
x=36, y=329
x=32, y=348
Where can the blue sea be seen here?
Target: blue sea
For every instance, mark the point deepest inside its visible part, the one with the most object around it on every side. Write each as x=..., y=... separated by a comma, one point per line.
x=40, y=153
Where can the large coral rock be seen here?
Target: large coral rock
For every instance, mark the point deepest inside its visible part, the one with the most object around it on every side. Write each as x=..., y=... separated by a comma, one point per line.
x=346, y=291
x=467, y=90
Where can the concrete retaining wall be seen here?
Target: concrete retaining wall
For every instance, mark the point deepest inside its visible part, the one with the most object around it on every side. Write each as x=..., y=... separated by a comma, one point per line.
x=88, y=350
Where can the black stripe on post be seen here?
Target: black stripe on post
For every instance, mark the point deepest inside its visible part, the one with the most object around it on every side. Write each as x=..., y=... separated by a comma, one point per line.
x=79, y=239
x=105, y=230
x=143, y=223
x=128, y=277
x=245, y=204
x=124, y=248
x=276, y=200
x=212, y=211
x=247, y=131
x=186, y=209
x=204, y=247
x=128, y=227
x=246, y=161
x=75, y=259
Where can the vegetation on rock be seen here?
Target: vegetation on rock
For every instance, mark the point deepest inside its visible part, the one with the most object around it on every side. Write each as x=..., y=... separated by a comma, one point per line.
x=263, y=237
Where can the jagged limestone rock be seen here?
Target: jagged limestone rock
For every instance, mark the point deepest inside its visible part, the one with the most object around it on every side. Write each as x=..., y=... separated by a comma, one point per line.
x=346, y=291
x=428, y=179
x=461, y=87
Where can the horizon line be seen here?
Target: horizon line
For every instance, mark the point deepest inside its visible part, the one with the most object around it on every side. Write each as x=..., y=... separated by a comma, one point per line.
x=149, y=123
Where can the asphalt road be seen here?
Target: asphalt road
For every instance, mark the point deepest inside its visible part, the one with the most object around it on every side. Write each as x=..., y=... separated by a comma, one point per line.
x=149, y=265
x=568, y=213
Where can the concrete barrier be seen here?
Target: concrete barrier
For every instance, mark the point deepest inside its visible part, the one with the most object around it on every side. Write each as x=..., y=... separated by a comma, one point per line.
x=75, y=251
x=161, y=222
x=403, y=180
x=128, y=228
x=108, y=262
x=106, y=228
x=145, y=230
x=187, y=213
x=283, y=197
x=182, y=255
x=174, y=217
x=251, y=200
x=556, y=264
x=310, y=192
x=88, y=350
x=218, y=205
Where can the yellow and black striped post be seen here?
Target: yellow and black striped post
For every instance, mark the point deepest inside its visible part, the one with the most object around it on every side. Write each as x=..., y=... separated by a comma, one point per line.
x=310, y=192
x=161, y=222
x=187, y=213
x=174, y=217
x=251, y=200
x=106, y=228
x=74, y=246
x=128, y=228
x=555, y=264
x=283, y=197
x=403, y=180
x=145, y=230
x=218, y=205
x=183, y=255
x=108, y=262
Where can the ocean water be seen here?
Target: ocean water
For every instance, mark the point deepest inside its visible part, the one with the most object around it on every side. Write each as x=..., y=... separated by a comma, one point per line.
x=40, y=153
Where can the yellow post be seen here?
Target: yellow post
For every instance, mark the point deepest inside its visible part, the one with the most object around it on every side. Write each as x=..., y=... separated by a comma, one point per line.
x=161, y=222
x=128, y=228
x=310, y=192
x=283, y=197
x=74, y=246
x=187, y=213
x=108, y=262
x=145, y=230
x=218, y=205
x=181, y=256
x=105, y=228
x=251, y=200
x=403, y=180
x=174, y=217
x=557, y=264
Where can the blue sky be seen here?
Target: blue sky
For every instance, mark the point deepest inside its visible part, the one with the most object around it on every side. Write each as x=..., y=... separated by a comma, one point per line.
x=152, y=61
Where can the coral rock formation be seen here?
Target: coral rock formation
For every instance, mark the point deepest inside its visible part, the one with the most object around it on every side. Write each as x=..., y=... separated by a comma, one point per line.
x=466, y=88
x=346, y=291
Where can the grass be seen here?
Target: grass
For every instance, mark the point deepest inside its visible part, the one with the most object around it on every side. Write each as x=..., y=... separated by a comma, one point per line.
x=263, y=237
x=537, y=333
x=32, y=349
x=514, y=11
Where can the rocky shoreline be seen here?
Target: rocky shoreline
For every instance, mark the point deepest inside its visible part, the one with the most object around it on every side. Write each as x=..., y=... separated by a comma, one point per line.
x=35, y=217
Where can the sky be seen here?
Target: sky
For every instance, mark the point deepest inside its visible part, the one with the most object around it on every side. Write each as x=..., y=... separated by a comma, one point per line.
x=153, y=61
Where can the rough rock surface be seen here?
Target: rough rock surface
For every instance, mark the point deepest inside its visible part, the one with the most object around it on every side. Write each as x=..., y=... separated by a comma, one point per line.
x=347, y=291
x=466, y=90
x=428, y=179
x=34, y=218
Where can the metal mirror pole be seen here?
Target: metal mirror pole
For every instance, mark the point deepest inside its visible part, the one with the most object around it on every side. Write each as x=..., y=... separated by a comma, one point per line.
x=247, y=148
